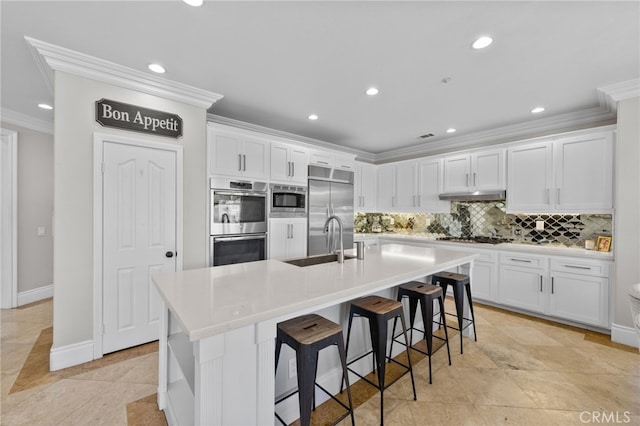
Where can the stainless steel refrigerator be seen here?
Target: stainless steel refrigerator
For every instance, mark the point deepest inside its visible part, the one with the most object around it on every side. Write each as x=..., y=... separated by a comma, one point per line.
x=330, y=192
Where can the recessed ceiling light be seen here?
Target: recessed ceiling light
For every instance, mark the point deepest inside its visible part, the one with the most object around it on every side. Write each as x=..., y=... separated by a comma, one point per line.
x=537, y=110
x=157, y=68
x=195, y=3
x=482, y=42
x=372, y=91
x=451, y=130
x=313, y=117
x=45, y=106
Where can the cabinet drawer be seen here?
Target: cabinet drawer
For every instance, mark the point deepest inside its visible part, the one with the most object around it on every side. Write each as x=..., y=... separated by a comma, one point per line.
x=580, y=266
x=523, y=260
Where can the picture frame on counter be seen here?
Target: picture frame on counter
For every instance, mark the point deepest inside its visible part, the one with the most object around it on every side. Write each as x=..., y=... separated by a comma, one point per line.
x=603, y=243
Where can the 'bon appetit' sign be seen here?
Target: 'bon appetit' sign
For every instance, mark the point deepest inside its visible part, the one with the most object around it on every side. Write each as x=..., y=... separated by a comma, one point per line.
x=130, y=117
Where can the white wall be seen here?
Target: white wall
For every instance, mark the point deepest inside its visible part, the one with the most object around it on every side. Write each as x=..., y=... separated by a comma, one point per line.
x=73, y=195
x=627, y=214
x=35, y=208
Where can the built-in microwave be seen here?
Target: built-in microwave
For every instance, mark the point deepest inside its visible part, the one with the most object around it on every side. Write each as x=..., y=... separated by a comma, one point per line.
x=288, y=201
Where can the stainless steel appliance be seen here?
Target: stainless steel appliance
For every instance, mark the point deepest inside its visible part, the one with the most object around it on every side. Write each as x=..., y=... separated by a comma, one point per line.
x=330, y=192
x=288, y=201
x=238, y=221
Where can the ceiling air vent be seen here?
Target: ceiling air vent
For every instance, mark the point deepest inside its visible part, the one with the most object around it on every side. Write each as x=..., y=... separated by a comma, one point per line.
x=426, y=135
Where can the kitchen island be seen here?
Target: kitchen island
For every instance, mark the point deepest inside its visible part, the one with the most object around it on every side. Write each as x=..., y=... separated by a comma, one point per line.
x=217, y=341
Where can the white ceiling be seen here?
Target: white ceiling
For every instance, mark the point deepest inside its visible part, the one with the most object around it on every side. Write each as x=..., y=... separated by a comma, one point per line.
x=277, y=62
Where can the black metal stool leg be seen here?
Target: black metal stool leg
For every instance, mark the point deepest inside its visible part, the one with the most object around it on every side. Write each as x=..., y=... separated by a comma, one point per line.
x=306, y=382
x=446, y=333
x=458, y=298
x=427, y=320
x=345, y=376
x=473, y=316
x=413, y=383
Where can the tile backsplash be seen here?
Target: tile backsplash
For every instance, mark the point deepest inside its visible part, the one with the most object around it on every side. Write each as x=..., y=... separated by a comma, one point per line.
x=490, y=219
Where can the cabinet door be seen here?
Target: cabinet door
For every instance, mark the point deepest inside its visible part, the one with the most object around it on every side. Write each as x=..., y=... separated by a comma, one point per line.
x=457, y=171
x=255, y=158
x=386, y=187
x=365, y=187
x=488, y=170
x=280, y=166
x=522, y=288
x=483, y=281
x=278, y=238
x=584, y=173
x=299, y=164
x=406, y=186
x=430, y=177
x=321, y=158
x=344, y=162
x=225, y=155
x=298, y=238
x=580, y=298
x=530, y=178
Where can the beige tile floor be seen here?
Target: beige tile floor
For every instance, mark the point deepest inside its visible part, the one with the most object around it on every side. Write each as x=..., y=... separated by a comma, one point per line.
x=521, y=371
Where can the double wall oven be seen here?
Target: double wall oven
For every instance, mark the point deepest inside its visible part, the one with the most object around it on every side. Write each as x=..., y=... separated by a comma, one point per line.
x=238, y=221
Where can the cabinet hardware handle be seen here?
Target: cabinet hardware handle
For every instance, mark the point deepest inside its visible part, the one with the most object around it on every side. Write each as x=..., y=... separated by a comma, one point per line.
x=239, y=162
x=588, y=268
x=558, y=196
x=293, y=169
x=474, y=179
x=393, y=201
x=419, y=200
x=414, y=200
x=551, y=285
x=521, y=260
x=466, y=180
x=362, y=201
x=244, y=160
x=548, y=201
x=288, y=168
x=322, y=162
x=540, y=283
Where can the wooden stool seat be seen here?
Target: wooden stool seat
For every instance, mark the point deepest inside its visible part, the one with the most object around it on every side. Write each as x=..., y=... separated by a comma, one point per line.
x=307, y=335
x=376, y=305
x=425, y=294
x=460, y=283
x=309, y=329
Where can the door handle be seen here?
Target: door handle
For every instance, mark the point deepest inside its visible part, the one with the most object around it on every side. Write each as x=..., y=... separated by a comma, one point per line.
x=239, y=162
x=474, y=179
x=293, y=169
x=558, y=196
x=169, y=254
x=540, y=283
x=466, y=180
x=552, y=285
x=244, y=163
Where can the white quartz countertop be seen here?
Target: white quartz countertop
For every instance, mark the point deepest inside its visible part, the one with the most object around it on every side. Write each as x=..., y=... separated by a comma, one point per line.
x=210, y=301
x=544, y=249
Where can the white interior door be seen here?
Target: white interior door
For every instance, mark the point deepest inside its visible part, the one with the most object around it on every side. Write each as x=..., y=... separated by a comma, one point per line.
x=8, y=219
x=139, y=239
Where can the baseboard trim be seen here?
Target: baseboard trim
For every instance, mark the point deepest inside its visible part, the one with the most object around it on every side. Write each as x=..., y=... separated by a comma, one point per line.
x=70, y=355
x=30, y=296
x=625, y=335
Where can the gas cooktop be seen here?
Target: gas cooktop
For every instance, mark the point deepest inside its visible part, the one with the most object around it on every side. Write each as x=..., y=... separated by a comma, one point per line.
x=476, y=239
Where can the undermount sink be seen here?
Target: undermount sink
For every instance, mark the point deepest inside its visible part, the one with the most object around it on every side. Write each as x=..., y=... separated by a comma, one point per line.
x=316, y=260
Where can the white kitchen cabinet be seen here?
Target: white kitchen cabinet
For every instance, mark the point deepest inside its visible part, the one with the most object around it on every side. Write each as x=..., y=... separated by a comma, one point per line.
x=580, y=290
x=430, y=186
x=237, y=153
x=386, y=187
x=571, y=174
x=365, y=187
x=406, y=188
x=484, y=276
x=288, y=163
x=477, y=171
x=332, y=159
x=522, y=281
x=287, y=238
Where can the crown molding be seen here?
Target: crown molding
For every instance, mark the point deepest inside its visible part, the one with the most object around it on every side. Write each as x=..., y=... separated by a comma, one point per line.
x=530, y=129
x=22, y=120
x=50, y=57
x=612, y=94
x=360, y=155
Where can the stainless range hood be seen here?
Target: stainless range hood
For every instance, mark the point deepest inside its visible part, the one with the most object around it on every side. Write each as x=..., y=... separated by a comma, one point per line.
x=474, y=196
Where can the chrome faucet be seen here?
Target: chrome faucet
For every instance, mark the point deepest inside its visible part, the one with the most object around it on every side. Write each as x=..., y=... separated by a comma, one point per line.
x=326, y=225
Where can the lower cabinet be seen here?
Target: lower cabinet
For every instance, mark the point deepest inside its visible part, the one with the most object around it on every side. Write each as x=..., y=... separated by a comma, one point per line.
x=522, y=281
x=287, y=238
x=580, y=291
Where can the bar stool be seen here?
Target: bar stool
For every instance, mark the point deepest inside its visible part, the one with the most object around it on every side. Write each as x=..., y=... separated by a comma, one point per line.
x=459, y=282
x=425, y=294
x=307, y=335
x=379, y=310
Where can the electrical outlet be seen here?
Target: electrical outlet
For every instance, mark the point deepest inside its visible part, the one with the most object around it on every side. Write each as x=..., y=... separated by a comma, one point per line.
x=539, y=225
x=517, y=232
x=427, y=222
x=293, y=372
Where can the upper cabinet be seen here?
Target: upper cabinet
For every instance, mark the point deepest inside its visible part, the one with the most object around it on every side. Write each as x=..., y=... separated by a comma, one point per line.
x=365, y=187
x=411, y=186
x=288, y=163
x=334, y=160
x=237, y=153
x=572, y=174
x=478, y=171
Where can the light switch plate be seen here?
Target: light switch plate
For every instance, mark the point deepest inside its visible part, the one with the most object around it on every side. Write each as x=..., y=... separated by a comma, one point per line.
x=41, y=231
